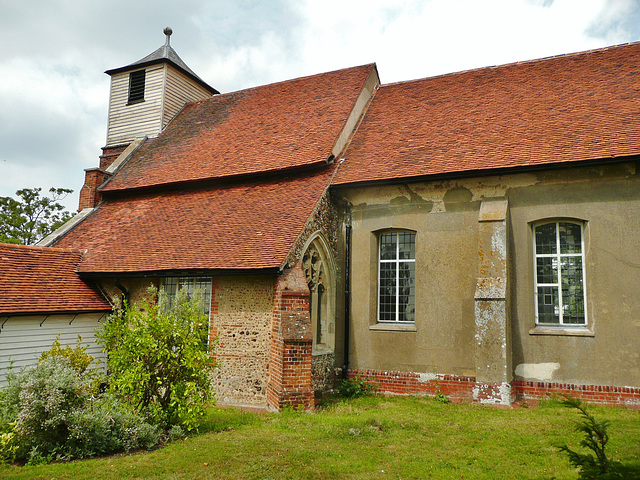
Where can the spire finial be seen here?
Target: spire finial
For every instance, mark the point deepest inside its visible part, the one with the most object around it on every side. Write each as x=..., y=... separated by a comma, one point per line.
x=168, y=32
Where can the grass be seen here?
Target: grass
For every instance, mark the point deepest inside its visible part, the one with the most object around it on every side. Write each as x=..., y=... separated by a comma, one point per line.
x=367, y=438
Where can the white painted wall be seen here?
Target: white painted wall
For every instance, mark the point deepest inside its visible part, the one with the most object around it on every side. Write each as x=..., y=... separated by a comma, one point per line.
x=23, y=339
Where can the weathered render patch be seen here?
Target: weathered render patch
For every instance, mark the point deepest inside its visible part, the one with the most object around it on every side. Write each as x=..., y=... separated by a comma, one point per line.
x=537, y=371
x=493, y=394
x=427, y=377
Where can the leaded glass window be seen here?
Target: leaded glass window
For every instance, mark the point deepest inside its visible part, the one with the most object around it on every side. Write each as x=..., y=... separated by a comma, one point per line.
x=559, y=274
x=193, y=285
x=397, y=276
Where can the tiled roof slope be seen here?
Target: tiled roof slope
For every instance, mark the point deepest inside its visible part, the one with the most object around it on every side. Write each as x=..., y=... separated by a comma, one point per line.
x=44, y=280
x=560, y=109
x=244, y=226
x=273, y=127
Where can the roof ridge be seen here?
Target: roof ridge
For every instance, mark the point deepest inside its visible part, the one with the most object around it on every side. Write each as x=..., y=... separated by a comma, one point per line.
x=511, y=64
x=17, y=246
x=290, y=80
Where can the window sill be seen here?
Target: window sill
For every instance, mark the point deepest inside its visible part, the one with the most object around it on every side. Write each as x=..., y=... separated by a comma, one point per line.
x=392, y=327
x=567, y=332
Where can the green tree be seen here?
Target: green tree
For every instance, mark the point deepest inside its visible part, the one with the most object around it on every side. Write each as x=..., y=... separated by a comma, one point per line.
x=159, y=360
x=33, y=216
x=595, y=439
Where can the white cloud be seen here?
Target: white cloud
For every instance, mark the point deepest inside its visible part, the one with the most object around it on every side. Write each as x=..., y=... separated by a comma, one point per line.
x=54, y=95
x=440, y=36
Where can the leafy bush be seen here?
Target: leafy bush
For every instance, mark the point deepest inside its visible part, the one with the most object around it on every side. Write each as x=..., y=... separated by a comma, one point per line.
x=105, y=426
x=175, y=433
x=50, y=411
x=356, y=387
x=595, y=439
x=159, y=359
x=78, y=356
x=37, y=403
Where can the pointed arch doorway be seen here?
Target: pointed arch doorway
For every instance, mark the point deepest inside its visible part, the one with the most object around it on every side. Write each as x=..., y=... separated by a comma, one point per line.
x=319, y=270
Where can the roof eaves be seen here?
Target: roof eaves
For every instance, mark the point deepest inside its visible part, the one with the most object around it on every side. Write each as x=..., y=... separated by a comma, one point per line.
x=485, y=172
x=146, y=62
x=220, y=180
x=11, y=314
x=180, y=272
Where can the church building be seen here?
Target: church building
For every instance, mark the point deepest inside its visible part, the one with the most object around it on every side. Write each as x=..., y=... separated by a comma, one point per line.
x=474, y=234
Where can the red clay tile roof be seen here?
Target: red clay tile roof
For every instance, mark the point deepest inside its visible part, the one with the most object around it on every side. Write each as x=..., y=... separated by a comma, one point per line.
x=250, y=225
x=43, y=280
x=273, y=127
x=562, y=109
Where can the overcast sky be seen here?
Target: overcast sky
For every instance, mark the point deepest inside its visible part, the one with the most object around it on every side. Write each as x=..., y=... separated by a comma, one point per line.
x=54, y=94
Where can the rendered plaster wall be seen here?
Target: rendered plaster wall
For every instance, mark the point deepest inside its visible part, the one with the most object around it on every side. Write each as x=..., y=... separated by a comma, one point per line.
x=445, y=218
x=607, y=199
x=241, y=314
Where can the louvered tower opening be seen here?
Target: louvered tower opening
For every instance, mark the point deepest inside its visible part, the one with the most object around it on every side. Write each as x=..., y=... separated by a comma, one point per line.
x=136, y=87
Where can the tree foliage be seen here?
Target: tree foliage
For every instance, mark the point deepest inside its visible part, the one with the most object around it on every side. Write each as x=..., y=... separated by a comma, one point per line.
x=595, y=439
x=159, y=359
x=33, y=216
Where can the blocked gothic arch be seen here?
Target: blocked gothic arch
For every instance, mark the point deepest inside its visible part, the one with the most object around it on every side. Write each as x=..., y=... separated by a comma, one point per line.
x=318, y=266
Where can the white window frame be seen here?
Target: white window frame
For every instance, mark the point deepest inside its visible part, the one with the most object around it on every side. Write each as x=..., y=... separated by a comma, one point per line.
x=558, y=284
x=397, y=261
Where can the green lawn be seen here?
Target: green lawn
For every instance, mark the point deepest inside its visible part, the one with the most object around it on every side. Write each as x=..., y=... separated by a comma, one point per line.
x=368, y=438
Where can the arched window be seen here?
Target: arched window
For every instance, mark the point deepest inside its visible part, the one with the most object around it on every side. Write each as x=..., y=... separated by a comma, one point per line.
x=396, y=276
x=559, y=277
x=318, y=270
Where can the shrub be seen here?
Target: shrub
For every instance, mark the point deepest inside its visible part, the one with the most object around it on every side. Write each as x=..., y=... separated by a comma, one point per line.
x=50, y=411
x=78, y=356
x=38, y=402
x=159, y=359
x=595, y=439
x=356, y=387
x=104, y=425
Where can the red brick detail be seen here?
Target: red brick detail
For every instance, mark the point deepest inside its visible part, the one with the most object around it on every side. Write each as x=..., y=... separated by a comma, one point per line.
x=214, y=309
x=290, y=343
x=460, y=388
x=599, y=394
x=410, y=383
x=109, y=155
x=89, y=195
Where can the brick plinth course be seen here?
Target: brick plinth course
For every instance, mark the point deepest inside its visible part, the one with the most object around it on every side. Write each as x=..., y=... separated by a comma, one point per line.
x=410, y=383
x=459, y=388
x=599, y=394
